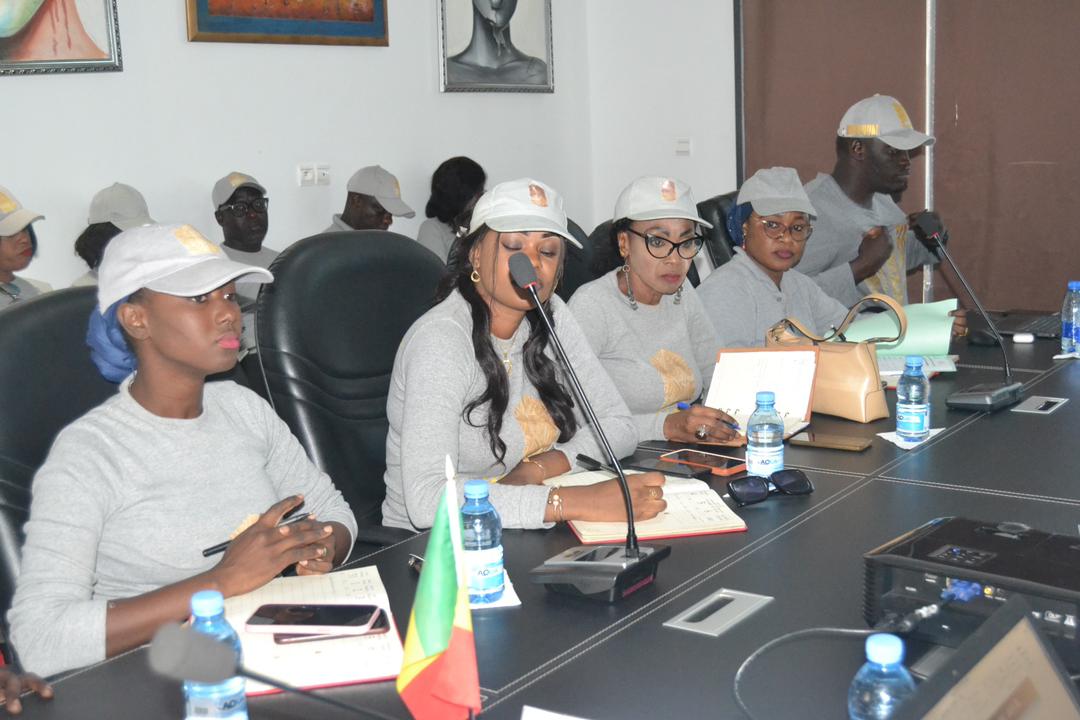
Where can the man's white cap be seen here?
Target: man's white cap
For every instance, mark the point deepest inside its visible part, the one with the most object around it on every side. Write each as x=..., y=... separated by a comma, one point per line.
x=226, y=186
x=170, y=259
x=523, y=205
x=381, y=185
x=13, y=216
x=655, y=198
x=882, y=117
x=121, y=205
x=774, y=191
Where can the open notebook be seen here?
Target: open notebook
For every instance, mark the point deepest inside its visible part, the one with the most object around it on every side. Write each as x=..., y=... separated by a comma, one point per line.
x=322, y=663
x=739, y=374
x=693, y=509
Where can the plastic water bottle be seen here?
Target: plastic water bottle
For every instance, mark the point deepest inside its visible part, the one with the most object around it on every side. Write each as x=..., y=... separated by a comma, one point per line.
x=482, y=539
x=764, y=438
x=220, y=700
x=1070, y=318
x=883, y=683
x=913, y=402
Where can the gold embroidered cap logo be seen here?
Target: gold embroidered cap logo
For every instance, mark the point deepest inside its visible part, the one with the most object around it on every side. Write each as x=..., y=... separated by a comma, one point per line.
x=901, y=114
x=864, y=130
x=237, y=179
x=194, y=242
x=667, y=190
x=7, y=205
x=537, y=195
x=397, y=188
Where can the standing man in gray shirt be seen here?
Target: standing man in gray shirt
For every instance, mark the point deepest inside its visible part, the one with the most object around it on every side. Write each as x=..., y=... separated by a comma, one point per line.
x=863, y=241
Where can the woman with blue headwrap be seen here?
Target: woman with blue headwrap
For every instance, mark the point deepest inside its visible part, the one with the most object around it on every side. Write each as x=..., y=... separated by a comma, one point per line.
x=133, y=491
x=770, y=224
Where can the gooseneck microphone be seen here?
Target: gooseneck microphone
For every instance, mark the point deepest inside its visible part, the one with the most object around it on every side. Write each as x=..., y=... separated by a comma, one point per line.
x=987, y=397
x=600, y=572
x=181, y=653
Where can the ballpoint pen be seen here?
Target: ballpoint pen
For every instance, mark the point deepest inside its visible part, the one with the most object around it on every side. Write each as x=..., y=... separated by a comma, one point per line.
x=686, y=406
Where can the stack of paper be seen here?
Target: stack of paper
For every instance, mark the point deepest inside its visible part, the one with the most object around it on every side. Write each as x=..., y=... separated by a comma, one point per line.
x=740, y=374
x=929, y=330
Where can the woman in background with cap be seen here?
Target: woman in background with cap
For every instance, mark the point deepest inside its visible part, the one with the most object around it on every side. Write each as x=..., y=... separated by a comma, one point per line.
x=476, y=378
x=18, y=245
x=770, y=224
x=114, y=209
x=132, y=492
x=456, y=185
x=646, y=323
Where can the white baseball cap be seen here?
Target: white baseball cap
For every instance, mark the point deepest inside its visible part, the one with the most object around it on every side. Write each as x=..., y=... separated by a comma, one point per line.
x=775, y=190
x=121, y=205
x=523, y=205
x=882, y=117
x=226, y=186
x=381, y=185
x=171, y=259
x=13, y=216
x=655, y=198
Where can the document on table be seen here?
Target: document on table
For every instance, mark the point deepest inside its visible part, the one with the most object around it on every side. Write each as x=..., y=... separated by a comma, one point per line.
x=740, y=374
x=929, y=329
x=319, y=663
x=894, y=365
x=693, y=509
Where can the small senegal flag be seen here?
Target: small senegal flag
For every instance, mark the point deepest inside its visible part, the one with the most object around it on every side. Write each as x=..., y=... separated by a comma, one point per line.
x=439, y=679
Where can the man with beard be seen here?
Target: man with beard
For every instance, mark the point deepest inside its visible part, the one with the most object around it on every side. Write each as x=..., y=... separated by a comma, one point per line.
x=241, y=208
x=863, y=241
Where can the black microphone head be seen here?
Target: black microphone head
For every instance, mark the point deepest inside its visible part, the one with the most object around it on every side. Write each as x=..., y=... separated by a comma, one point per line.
x=522, y=270
x=181, y=653
x=928, y=224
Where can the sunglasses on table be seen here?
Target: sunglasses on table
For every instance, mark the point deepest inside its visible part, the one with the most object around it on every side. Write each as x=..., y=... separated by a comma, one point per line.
x=753, y=489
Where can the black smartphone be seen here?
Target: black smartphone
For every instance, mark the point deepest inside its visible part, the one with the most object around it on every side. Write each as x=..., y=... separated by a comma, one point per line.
x=655, y=464
x=314, y=619
x=381, y=625
x=833, y=442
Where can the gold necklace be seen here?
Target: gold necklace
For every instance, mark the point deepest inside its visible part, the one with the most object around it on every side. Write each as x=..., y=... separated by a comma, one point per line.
x=505, y=350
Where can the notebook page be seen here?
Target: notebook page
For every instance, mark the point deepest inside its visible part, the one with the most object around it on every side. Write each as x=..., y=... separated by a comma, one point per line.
x=324, y=662
x=687, y=513
x=739, y=376
x=672, y=485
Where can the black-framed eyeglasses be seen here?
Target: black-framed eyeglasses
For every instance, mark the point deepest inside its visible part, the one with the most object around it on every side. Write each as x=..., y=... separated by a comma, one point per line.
x=240, y=208
x=661, y=248
x=752, y=489
x=800, y=231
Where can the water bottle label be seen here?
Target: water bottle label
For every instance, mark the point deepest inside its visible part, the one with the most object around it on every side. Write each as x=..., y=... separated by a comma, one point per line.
x=764, y=461
x=485, y=572
x=218, y=707
x=912, y=420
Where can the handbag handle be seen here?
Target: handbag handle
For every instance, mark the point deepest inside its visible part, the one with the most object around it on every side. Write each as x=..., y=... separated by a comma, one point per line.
x=870, y=299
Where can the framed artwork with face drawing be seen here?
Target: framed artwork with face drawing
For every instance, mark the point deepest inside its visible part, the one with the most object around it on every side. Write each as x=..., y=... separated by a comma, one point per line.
x=51, y=36
x=496, y=46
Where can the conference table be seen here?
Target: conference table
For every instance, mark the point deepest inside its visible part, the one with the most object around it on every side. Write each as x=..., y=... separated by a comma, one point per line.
x=620, y=661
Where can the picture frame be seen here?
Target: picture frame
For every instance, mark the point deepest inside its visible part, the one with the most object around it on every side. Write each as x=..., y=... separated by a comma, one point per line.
x=85, y=39
x=508, y=49
x=361, y=22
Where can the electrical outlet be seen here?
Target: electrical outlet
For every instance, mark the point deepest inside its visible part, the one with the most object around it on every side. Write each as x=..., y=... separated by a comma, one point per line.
x=305, y=175
x=682, y=147
x=322, y=174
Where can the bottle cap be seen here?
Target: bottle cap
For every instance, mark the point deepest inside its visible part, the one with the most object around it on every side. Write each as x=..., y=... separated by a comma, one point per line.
x=914, y=361
x=1074, y=284
x=884, y=649
x=476, y=489
x=207, y=603
x=766, y=397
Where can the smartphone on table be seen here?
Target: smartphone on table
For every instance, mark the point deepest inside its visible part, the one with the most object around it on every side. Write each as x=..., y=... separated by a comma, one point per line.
x=314, y=619
x=381, y=625
x=833, y=442
x=715, y=463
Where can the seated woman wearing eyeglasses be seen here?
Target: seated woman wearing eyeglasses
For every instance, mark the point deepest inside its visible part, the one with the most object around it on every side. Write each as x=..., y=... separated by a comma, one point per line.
x=645, y=322
x=757, y=288
x=134, y=491
x=476, y=379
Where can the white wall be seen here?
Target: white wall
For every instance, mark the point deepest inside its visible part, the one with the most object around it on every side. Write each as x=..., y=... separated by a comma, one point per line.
x=628, y=80
x=660, y=71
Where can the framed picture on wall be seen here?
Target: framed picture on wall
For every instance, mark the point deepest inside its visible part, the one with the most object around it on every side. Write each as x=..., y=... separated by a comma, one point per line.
x=53, y=36
x=487, y=45
x=309, y=22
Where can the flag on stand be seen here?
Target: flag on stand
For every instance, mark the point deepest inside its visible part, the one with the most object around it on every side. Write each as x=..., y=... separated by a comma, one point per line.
x=439, y=678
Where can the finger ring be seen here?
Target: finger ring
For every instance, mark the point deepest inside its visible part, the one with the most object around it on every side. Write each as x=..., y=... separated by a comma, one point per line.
x=963, y=333
x=702, y=432
x=654, y=493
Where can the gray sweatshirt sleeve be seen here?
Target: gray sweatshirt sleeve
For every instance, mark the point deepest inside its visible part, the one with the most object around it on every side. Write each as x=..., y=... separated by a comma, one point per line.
x=703, y=336
x=55, y=622
x=437, y=368
x=729, y=304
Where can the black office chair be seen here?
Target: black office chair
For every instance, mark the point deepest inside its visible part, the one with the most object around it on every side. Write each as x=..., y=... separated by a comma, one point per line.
x=46, y=381
x=577, y=270
x=601, y=235
x=328, y=329
x=718, y=242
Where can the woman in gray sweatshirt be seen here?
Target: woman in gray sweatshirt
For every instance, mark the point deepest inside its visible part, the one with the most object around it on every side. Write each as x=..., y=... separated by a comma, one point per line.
x=476, y=378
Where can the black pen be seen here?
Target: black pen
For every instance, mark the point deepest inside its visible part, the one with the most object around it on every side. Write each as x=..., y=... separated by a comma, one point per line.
x=416, y=563
x=223, y=546
x=594, y=464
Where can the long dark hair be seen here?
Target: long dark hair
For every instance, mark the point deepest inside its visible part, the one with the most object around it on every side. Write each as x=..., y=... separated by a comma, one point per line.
x=455, y=183
x=606, y=255
x=539, y=368
x=90, y=245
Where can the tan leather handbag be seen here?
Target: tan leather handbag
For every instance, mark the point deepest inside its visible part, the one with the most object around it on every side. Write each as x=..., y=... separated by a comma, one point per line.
x=847, y=383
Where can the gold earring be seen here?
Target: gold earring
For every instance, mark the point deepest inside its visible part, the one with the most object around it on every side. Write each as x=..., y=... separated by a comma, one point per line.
x=474, y=276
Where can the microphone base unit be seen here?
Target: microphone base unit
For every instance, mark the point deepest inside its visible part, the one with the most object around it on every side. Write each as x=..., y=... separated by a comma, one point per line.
x=986, y=397
x=603, y=573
